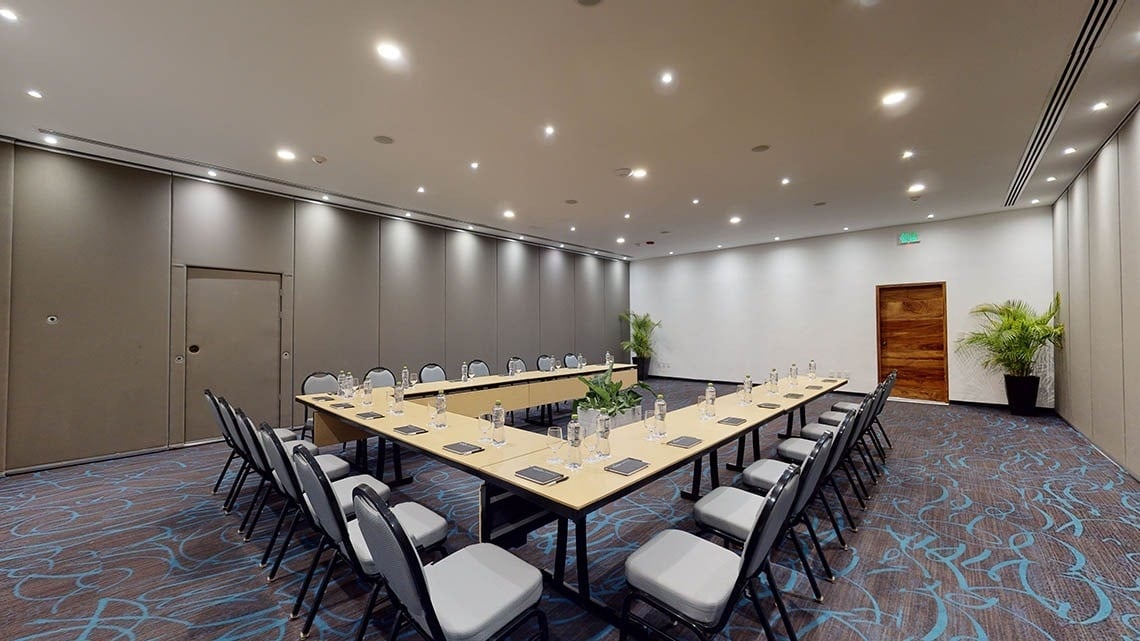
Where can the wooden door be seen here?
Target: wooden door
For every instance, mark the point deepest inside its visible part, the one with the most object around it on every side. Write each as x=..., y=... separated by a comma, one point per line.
x=912, y=339
x=233, y=345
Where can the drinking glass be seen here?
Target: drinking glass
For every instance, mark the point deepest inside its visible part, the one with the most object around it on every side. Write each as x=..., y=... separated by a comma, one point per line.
x=431, y=416
x=554, y=441
x=651, y=427
x=740, y=397
x=484, y=422
x=413, y=379
x=591, y=443
x=366, y=391
x=702, y=407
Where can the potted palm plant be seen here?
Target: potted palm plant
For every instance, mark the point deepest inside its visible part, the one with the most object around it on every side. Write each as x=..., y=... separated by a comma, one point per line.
x=640, y=341
x=1009, y=339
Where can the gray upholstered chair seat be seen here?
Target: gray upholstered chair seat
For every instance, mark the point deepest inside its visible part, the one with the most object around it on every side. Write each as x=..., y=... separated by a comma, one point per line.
x=691, y=575
x=342, y=490
x=285, y=434
x=845, y=406
x=730, y=510
x=426, y=528
x=333, y=466
x=832, y=418
x=795, y=449
x=812, y=431
x=478, y=590
x=764, y=473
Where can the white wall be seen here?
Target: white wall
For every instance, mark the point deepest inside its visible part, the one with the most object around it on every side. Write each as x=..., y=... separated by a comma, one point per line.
x=745, y=310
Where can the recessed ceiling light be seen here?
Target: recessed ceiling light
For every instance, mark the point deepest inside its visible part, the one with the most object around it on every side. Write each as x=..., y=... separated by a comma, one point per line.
x=666, y=77
x=285, y=154
x=846, y=229
x=407, y=214
x=508, y=214
x=548, y=130
x=1100, y=106
x=595, y=251
x=389, y=51
x=670, y=253
x=475, y=165
x=212, y=173
x=620, y=240
x=930, y=215
x=907, y=154
x=626, y=216
x=894, y=98
x=561, y=245
x=420, y=189
x=35, y=94
x=734, y=220
x=471, y=228
x=916, y=188
x=1050, y=179
x=573, y=228
x=719, y=246
x=1034, y=201
x=1069, y=150
x=522, y=237
x=776, y=238
x=696, y=201
x=785, y=181
x=639, y=172
x=51, y=140
x=325, y=197
x=9, y=15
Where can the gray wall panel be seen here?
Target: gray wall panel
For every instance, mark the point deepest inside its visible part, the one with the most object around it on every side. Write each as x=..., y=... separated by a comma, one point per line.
x=589, y=308
x=411, y=295
x=556, y=313
x=519, y=295
x=91, y=245
x=1079, y=339
x=336, y=292
x=230, y=228
x=1106, y=346
x=1129, y=152
x=614, y=330
x=7, y=166
x=1061, y=285
x=470, y=300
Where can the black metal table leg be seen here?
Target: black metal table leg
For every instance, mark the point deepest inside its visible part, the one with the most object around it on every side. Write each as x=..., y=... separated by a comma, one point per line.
x=695, y=493
x=560, y=552
x=740, y=445
x=714, y=470
x=582, y=561
x=788, y=432
x=803, y=415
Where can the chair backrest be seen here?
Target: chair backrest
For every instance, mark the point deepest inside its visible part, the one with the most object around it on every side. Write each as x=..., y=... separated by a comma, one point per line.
x=432, y=373
x=320, y=383
x=322, y=503
x=570, y=360
x=248, y=430
x=516, y=364
x=381, y=377
x=770, y=522
x=811, y=470
x=544, y=363
x=216, y=412
x=279, y=460
x=888, y=385
x=847, y=430
x=229, y=419
x=387, y=540
x=478, y=367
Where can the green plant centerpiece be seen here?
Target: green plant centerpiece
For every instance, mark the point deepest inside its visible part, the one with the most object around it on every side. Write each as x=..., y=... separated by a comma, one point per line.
x=640, y=341
x=1009, y=340
x=606, y=396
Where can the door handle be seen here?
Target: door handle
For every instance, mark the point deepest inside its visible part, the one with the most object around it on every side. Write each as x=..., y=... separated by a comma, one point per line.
x=883, y=344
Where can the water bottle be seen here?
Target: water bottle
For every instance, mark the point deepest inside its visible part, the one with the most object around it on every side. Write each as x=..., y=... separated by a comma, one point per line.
x=710, y=401
x=349, y=385
x=581, y=361
x=773, y=381
x=498, y=431
x=811, y=370
x=603, y=429
x=340, y=383
x=440, y=411
x=404, y=377
x=609, y=358
x=793, y=375
x=659, y=415
x=747, y=388
x=574, y=440
x=463, y=372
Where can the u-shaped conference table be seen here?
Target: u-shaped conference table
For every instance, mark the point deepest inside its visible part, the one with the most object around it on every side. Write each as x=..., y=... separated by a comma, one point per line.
x=510, y=506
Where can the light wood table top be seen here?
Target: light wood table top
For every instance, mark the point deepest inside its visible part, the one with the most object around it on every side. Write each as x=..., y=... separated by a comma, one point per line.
x=497, y=380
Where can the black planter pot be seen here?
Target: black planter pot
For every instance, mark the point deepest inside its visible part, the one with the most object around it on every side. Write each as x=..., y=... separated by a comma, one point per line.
x=642, y=363
x=1021, y=392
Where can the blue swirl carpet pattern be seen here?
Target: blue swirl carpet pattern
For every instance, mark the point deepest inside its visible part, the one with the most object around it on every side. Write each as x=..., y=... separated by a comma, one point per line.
x=984, y=527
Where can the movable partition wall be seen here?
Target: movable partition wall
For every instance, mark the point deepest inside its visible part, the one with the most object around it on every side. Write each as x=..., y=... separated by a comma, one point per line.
x=130, y=288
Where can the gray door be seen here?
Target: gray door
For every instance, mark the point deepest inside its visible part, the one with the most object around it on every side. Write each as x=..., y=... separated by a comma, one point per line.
x=233, y=345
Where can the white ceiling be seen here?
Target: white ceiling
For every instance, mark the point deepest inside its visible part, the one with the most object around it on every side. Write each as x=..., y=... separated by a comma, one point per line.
x=226, y=84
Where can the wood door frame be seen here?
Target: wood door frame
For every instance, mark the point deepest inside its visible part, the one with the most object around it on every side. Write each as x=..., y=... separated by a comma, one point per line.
x=176, y=425
x=879, y=324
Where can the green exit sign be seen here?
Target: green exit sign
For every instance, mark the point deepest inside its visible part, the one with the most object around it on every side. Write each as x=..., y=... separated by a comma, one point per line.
x=908, y=237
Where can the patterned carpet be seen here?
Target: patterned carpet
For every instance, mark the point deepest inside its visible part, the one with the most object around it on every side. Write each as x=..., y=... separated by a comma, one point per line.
x=986, y=526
